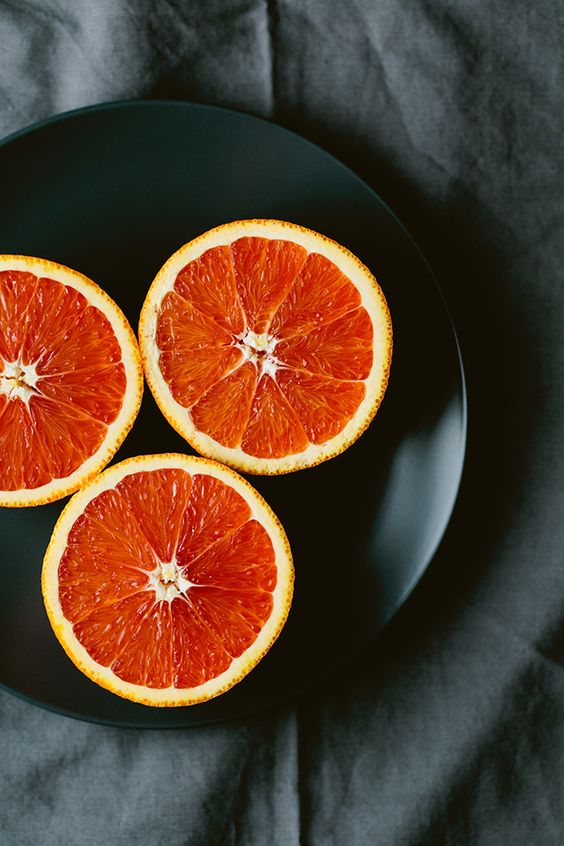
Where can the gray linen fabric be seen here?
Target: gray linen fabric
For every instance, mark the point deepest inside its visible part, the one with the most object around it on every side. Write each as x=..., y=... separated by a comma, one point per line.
x=451, y=729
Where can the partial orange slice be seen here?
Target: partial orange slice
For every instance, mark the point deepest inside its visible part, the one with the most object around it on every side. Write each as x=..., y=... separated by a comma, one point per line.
x=266, y=345
x=167, y=579
x=70, y=380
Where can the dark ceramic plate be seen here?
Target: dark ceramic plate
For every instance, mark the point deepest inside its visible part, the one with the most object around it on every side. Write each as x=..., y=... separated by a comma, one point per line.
x=114, y=190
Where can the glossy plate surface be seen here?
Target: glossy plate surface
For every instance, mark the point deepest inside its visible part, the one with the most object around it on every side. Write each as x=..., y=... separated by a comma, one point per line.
x=112, y=191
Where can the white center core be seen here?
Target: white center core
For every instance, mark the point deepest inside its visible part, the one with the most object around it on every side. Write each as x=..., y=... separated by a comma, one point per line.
x=259, y=348
x=18, y=380
x=168, y=582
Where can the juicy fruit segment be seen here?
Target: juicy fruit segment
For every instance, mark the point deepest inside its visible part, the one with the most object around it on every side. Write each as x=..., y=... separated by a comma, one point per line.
x=197, y=283
x=62, y=379
x=265, y=345
x=224, y=411
x=265, y=271
x=338, y=350
x=321, y=404
x=320, y=294
x=273, y=428
x=167, y=577
x=42, y=439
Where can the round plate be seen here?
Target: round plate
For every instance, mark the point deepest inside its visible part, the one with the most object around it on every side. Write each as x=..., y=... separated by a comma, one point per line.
x=114, y=190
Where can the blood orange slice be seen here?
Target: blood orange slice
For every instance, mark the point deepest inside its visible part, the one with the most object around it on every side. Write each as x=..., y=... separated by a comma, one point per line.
x=70, y=380
x=167, y=579
x=267, y=346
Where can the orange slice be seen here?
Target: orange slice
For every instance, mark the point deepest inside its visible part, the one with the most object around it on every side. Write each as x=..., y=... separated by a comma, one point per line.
x=70, y=380
x=267, y=346
x=167, y=579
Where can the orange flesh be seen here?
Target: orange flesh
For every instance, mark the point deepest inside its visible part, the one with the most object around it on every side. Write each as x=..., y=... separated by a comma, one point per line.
x=80, y=380
x=300, y=381
x=124, y=534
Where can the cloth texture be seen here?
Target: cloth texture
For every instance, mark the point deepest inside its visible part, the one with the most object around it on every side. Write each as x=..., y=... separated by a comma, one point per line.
x=450, y=729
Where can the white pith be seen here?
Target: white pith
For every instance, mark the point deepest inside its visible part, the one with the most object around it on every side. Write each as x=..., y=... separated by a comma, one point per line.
x=18, y=380
x=372, y=300
x=168, y=582
x=117, y=430
x=259, y=348
x=239, y=666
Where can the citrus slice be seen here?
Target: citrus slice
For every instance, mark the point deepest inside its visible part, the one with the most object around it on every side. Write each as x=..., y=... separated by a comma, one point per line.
x=266, y=345
x=70, y=380
x=167, y=578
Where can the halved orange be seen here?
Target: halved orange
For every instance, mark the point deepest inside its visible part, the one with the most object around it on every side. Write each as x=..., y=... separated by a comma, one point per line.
x=70, y=380
x=266, y=345
x=167, y=579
